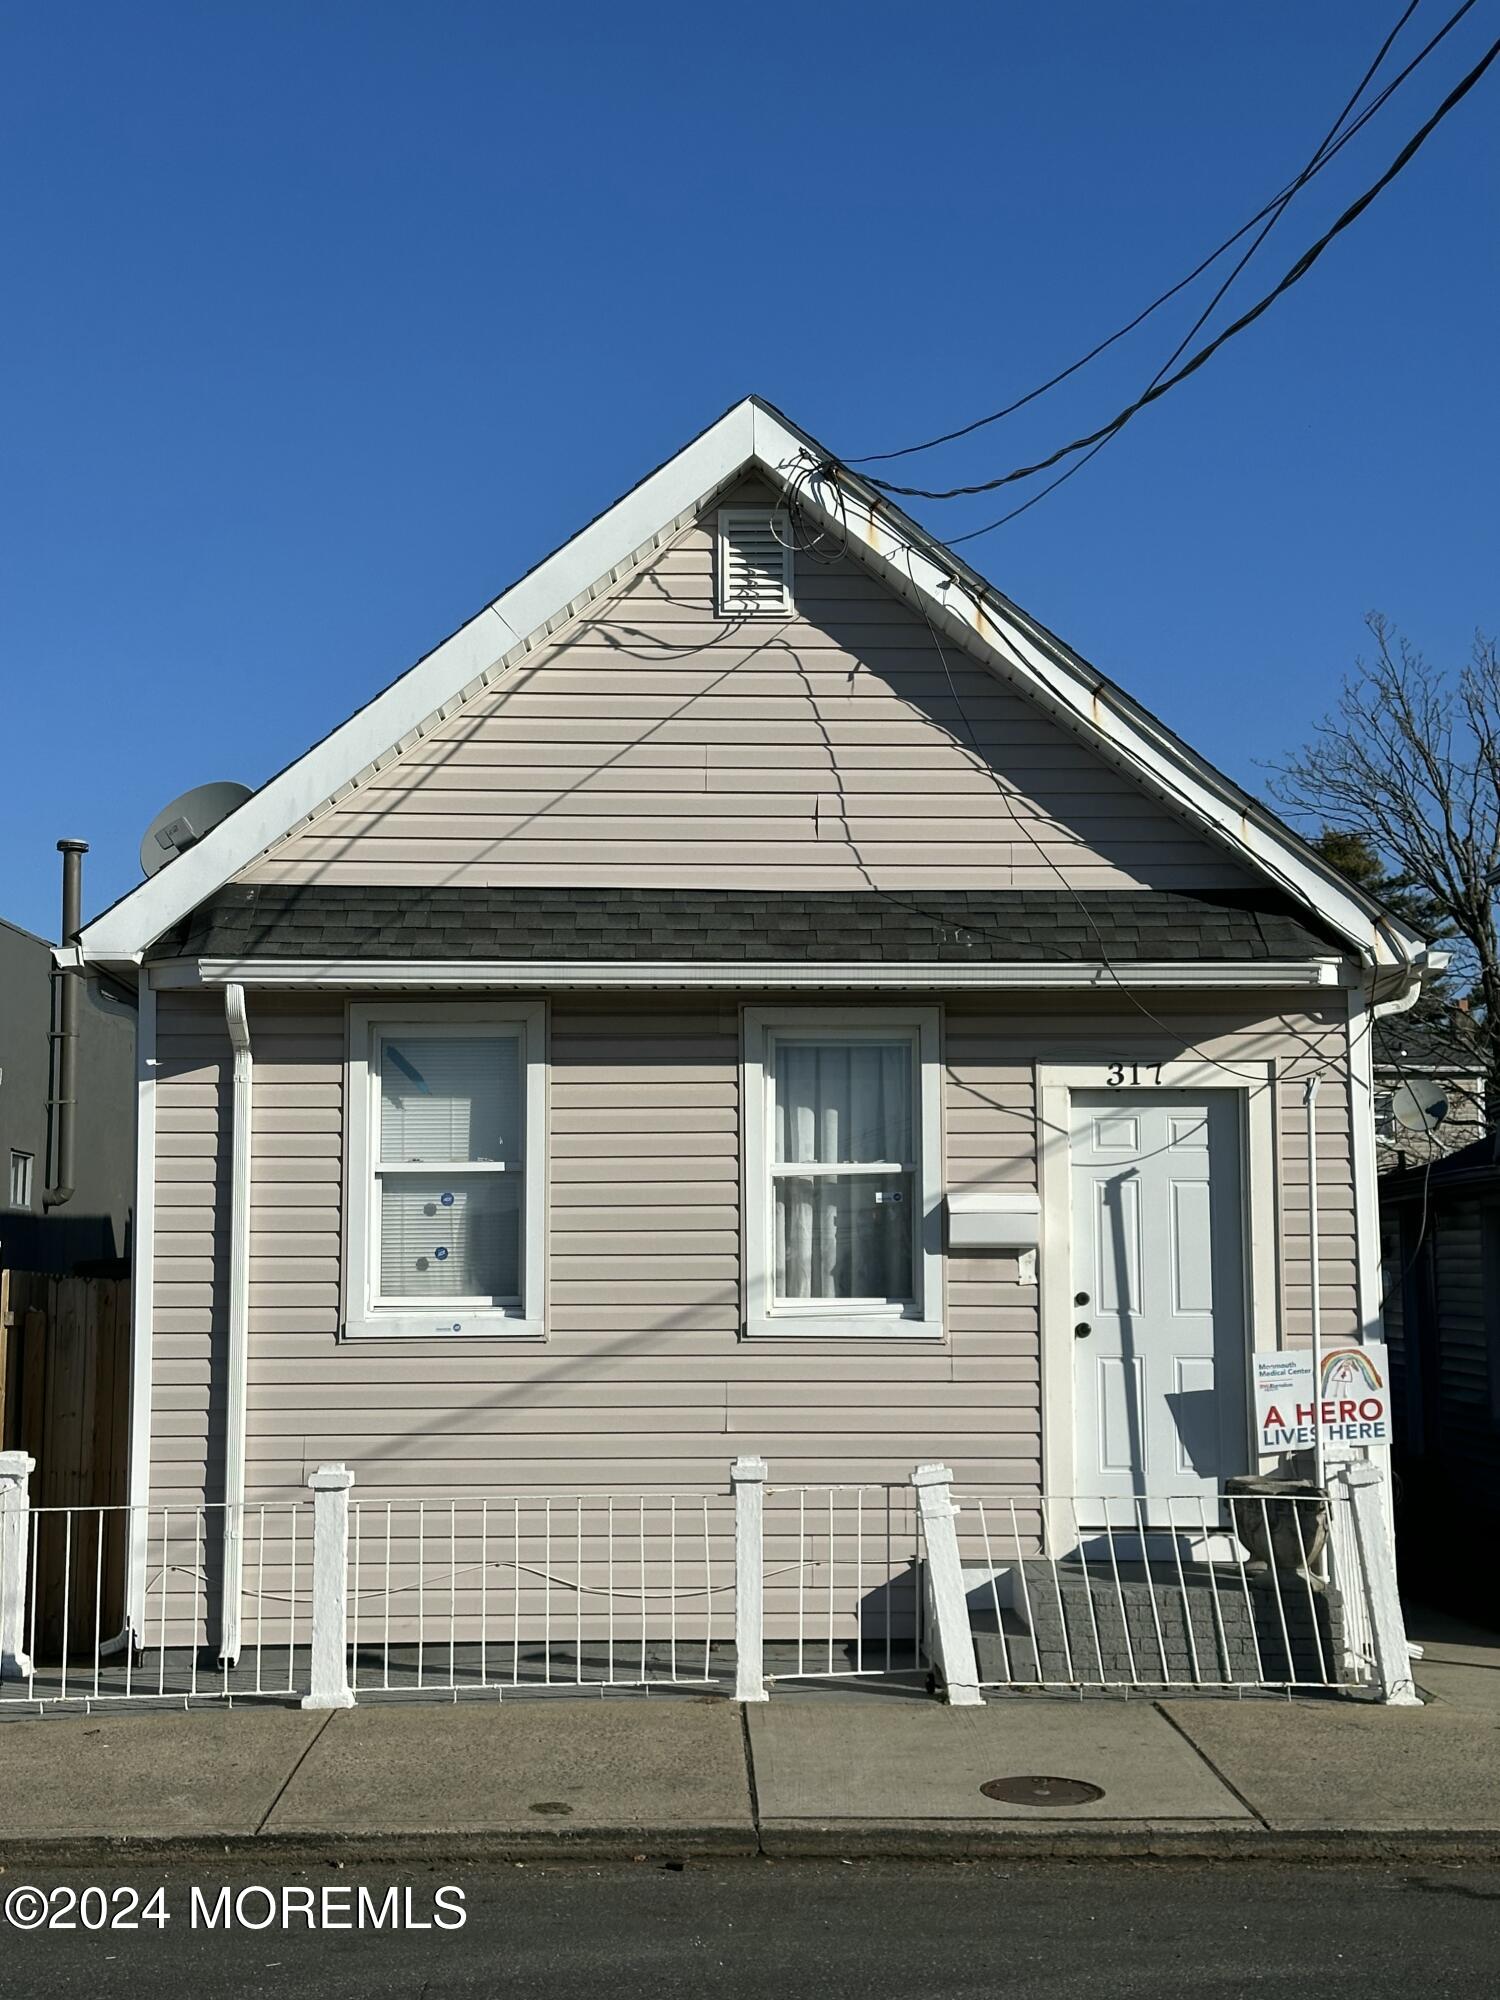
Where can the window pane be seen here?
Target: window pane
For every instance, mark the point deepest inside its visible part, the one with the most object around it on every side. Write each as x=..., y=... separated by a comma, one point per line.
x=844, y=1236
x=843, y=1102
x=450, y=1097
x=450, y=1238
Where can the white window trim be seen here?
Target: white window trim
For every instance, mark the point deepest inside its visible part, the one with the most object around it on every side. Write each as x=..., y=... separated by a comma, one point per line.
x=442, y=1320
x=780, y=521
x=840, y=1320
x=25, y=1162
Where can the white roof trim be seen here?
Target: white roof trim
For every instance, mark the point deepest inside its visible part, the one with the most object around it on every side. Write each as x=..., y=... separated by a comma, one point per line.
x=738, y=974
x=909, y=560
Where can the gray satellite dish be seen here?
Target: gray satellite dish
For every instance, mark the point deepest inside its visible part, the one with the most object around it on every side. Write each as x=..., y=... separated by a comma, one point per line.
x=1419, y=1106
x=184, y=822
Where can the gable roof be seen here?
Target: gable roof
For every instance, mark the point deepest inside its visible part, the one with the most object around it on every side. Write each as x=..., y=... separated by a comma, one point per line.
x=752, y=437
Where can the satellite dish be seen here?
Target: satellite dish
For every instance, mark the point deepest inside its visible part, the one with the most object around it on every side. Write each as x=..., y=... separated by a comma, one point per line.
x=1419, y=1106
x=184, y=822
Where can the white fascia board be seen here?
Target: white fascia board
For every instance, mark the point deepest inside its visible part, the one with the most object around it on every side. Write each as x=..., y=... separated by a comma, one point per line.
x=734, y=975
x=913, y=562
x=541, y=599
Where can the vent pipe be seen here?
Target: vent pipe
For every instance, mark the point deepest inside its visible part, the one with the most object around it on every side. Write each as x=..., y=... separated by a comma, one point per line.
x=62, y=1099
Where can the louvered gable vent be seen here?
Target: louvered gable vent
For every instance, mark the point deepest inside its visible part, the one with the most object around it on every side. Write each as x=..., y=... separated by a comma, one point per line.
x=755, y=563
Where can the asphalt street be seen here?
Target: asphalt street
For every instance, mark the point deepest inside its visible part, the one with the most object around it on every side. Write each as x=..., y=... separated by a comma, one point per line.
x=824, y=1930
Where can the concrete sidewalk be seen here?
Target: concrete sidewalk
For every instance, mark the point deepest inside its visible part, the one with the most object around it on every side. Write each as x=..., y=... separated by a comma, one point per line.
x=852, y=1773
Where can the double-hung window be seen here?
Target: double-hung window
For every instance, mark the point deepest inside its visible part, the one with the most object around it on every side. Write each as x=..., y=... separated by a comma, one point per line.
x=447, y=1175
x=842, y=1172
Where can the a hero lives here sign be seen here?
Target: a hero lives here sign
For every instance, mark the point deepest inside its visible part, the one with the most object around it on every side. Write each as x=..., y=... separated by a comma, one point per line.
x=1352, y=1403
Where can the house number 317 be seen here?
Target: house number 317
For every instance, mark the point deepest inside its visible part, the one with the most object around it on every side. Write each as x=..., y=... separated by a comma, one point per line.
x=1135, y=1074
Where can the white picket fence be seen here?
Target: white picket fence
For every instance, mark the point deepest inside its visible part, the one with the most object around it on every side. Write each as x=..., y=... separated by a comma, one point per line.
x=346, y=1599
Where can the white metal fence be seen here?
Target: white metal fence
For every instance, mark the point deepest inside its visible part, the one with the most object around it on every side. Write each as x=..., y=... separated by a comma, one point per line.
x=1069, y=1593
x=843, y=1582
x=541, y=1591
x=345, y=1599
x=66, y=1638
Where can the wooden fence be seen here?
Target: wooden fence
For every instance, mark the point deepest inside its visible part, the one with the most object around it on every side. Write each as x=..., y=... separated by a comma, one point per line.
x=64, y=1396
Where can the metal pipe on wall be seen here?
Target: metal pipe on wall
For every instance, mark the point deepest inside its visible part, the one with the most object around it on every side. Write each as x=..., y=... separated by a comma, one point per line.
x=62, y=1095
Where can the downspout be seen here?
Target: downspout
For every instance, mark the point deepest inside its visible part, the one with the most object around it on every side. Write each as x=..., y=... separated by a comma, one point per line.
x=62, y=1097
x=142, y=1272
x=237, y=1022
x=1315, y=1308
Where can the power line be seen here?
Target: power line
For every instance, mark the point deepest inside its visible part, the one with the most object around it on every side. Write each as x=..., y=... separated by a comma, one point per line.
x=1298, y=271
x=1320, y=156
x=1275, y=203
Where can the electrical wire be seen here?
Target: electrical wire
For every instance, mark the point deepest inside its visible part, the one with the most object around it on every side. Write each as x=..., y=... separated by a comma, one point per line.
x=816, y=543
x=1292, y=276
x=1253, y=1078
x=1276, y=203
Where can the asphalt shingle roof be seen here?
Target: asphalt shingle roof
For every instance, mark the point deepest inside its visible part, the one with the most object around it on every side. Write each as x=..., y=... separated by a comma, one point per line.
x=1015, y=926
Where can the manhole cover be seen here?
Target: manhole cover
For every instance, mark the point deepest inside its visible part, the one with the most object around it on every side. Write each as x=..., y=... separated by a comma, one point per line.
x=1042, y=1791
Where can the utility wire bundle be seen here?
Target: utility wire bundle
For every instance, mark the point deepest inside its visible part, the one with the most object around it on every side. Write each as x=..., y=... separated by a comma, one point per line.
x=1170, y=374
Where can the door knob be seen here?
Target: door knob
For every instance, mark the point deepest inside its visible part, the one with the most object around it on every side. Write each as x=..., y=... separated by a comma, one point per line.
x=1080, y=1298
x=1082, y=1330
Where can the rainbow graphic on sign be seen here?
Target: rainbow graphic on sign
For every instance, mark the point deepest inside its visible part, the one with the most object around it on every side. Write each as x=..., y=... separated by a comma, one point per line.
x=1349, y=1367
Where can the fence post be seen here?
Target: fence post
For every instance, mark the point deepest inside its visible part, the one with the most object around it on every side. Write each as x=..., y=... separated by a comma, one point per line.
x=16, y=1468
x=1363, y=1478
x=330, y=1589
x=953, y=1640
x=747, y=1477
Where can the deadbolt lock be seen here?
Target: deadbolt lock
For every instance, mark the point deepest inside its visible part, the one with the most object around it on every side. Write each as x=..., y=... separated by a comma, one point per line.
x=1082, y=1330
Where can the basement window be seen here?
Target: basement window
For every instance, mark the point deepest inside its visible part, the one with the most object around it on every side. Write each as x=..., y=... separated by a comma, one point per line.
x=842, y=1173
x=754, y=563
x=447, y=1177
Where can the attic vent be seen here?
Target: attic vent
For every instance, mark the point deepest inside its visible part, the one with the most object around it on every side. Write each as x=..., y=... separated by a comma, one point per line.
x=755, y=563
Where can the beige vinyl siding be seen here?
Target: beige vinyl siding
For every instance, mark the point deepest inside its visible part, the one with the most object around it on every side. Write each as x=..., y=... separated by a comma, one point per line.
x=1338, y=1262
x=190, y=1250
x=643, y=1383
x=653, y=744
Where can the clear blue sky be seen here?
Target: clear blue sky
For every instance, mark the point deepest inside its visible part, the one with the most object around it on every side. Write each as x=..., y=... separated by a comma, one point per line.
x=323, y=322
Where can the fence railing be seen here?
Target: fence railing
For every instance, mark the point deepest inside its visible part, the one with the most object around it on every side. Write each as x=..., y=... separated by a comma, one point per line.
x=346, y=1599
x=63, y=1641
x=541, y=1591
x=1232, y=1593
x=843, y=1594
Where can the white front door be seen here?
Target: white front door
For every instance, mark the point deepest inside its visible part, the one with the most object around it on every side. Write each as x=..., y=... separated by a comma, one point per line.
x=1159, y=1361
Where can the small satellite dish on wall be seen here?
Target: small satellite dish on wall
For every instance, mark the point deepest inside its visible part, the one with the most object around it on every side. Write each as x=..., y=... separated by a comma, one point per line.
x=184, y=822
x=1419, y=1106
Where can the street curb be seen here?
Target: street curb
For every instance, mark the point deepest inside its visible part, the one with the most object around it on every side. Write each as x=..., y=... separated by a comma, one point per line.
x=934, y=1841
x=397, y=1849
x=987, y=1841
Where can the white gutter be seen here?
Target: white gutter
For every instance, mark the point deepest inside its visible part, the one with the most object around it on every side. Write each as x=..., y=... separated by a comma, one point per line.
x=1315, y=1304
x=1364, y=1012
x=143, y=1264
x=237, y=1022
x=738, y=974
x=1368, y=1278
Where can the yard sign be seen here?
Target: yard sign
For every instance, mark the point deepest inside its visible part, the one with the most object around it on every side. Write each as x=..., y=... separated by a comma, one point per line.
x=1354, y=1406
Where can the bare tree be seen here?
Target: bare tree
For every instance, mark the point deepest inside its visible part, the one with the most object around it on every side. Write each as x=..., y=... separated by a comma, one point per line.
x=1407, y=767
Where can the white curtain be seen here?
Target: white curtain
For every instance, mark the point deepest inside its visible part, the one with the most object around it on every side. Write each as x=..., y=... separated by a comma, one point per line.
x=447, y=1100
x=843, y=1102
x=844, y=1235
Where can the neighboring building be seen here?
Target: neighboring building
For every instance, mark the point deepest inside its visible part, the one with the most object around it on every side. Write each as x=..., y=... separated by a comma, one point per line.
x=752, y=989
x=1441, y=1233
x=92, y=1230
x=1417, y=1065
